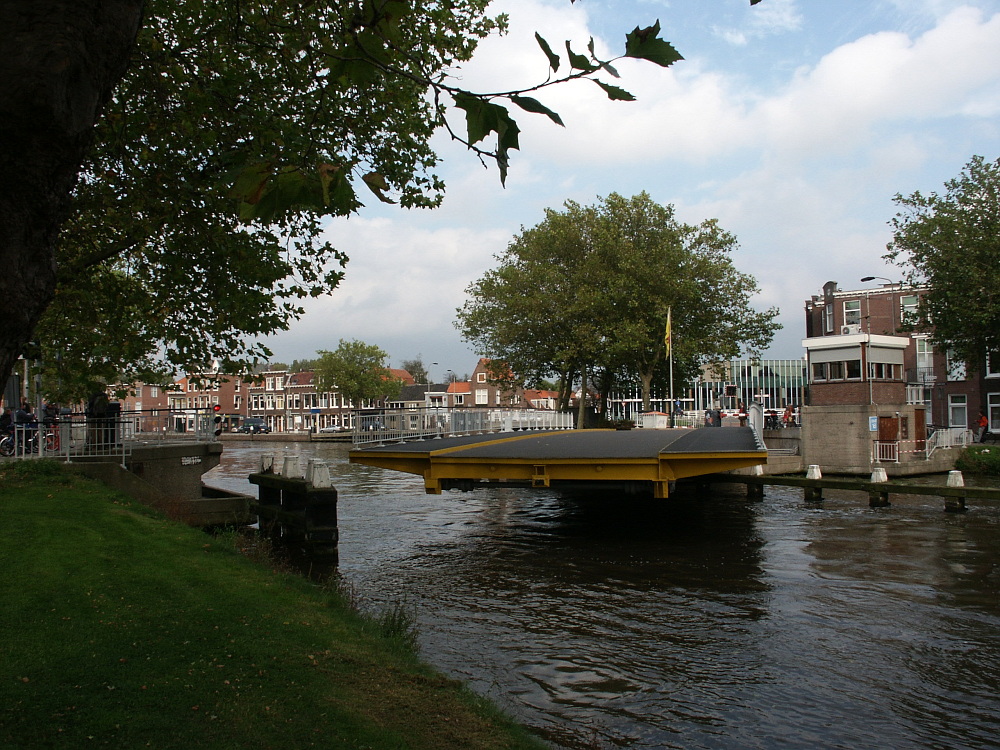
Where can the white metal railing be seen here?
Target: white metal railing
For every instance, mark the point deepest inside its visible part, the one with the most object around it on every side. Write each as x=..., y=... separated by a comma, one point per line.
x=948, y=437
x=68, y=437
x=74, y=436
x=885, y=451
x=401, y=425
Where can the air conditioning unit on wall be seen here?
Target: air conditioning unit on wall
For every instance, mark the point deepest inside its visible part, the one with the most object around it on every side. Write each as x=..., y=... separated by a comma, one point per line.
x=848, y=330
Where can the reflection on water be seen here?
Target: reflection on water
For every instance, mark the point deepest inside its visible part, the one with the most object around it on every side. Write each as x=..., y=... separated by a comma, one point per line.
x=692, y=623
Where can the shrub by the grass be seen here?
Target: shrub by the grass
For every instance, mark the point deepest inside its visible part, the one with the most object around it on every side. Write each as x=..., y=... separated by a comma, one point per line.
x=980, y=459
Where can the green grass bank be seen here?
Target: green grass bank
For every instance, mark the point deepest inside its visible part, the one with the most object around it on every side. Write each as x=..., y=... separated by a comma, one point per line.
x=120, y=628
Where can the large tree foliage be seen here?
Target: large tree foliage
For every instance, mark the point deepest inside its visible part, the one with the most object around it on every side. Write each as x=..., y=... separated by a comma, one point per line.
x=588, y=289
x=357, y=371
x=950, y=243
x=237, y=128
x=59, y=63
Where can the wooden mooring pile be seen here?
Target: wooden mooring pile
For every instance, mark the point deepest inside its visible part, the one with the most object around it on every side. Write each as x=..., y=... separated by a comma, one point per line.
x=297, y=508
x=955, y=494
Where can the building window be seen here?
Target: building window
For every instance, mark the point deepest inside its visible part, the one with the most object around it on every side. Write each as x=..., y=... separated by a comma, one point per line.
x=154, y=391
x=835, y=370
x=828, y=317
x=993, y=364
x=852, y=312
x=480, y=377
x=819, y=371
x=958, y=410
x=908, y=309
x=853, y=369
x=270, y=384
x=925, y=360
x=138, y=392
x=993, y=411
x=482, y=397
x=955, y=367
x=882, y=371
x=459, y=398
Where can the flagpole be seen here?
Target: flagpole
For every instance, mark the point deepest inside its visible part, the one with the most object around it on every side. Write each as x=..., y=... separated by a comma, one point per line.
x=670, y=358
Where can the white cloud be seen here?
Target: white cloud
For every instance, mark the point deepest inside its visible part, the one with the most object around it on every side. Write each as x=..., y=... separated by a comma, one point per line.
x=767, y=19
x=884, y=78
x=802, y=169
x=402, y=285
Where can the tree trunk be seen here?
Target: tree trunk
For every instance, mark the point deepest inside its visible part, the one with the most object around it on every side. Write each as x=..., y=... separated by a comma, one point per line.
x=582, y=406
x=566, y=390
x=647, y=387
x=59, y=63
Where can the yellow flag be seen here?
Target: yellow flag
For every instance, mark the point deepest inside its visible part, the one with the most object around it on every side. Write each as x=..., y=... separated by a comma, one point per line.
x=666, y=336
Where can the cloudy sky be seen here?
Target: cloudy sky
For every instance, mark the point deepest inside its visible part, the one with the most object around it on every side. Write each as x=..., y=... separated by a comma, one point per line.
x=794, y=123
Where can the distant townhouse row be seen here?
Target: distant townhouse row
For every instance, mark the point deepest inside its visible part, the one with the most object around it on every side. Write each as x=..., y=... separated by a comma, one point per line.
x=290, y=401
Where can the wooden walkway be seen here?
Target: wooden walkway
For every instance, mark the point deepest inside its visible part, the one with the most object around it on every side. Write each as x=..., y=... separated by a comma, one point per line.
x=633, y=461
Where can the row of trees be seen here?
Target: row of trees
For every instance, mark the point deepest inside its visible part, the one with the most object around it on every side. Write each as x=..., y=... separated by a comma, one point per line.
x=169, y=164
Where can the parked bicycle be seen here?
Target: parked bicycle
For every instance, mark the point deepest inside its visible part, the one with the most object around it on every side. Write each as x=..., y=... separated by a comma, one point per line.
x=23, y=440
x=7, y=445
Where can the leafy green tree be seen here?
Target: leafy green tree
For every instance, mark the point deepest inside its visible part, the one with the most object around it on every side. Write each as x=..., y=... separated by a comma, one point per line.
x=303, y=365
x=205, y=143
x=585, y=294
x=950, y=243
x=358, y=371
x=417, y=369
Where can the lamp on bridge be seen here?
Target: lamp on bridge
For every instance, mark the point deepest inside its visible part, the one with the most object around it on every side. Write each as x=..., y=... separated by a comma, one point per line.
x=892, y=300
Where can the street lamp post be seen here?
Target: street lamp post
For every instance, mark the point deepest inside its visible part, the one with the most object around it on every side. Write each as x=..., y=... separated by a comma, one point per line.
x=892, y=300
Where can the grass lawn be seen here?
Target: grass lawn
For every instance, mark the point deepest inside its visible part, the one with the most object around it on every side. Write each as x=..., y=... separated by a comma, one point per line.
x=119, y=628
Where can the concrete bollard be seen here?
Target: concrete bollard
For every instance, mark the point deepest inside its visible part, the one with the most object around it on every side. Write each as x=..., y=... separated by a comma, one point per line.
x=292, y=468
x=955, y=504
x=318, y=474
x=813, y=472
x=267, y=463
x=879, y=475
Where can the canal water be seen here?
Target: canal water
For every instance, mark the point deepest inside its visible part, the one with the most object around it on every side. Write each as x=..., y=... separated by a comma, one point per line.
x=704, y=622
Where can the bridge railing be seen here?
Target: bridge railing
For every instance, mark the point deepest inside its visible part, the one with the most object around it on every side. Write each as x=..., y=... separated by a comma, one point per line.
x=400, y=425
x=77, y=435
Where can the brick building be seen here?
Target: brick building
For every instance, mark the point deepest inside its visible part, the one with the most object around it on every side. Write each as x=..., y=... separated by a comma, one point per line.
x=880, y=364
x=879, y=395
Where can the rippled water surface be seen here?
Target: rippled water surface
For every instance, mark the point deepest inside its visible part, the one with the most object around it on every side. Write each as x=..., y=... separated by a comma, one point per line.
x=697, y=622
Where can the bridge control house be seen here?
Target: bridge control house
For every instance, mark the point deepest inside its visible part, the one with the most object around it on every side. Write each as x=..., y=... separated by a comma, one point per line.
x=881, y=396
